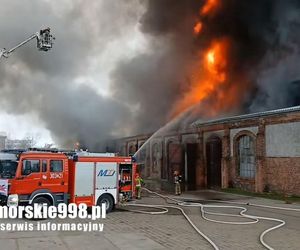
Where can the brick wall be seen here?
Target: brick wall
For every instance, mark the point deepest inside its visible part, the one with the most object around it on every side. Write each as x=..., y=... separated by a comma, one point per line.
x=282, y=175
x=278, y=174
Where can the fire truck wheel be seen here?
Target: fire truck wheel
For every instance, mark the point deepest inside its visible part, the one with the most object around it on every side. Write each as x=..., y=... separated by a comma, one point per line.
x=108, y=200
x=41, y=200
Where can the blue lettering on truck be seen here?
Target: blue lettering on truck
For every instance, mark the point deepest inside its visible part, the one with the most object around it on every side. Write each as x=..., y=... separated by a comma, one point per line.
x=106, y=172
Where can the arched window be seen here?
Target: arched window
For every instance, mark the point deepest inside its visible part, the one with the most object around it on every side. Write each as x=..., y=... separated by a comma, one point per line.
x=132, y=149
x=246, y=157
x=155, y=158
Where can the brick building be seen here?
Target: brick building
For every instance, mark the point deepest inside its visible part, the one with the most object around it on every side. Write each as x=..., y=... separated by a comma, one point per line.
x=255, y=152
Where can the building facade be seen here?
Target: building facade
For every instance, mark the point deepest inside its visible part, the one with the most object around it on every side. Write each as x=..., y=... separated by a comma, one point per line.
x=18, y=144
x=256, y=152
x=2, y=141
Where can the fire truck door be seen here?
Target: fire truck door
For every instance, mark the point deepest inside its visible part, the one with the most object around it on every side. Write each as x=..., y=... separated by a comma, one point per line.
x=28, y=178
x=55, y=175
x=84, y=179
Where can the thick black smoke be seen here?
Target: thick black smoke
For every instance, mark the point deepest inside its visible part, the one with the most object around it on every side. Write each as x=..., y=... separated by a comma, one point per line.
x=264, y=59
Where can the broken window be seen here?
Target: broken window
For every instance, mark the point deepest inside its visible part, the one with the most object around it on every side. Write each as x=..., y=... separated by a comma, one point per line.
x=246, y=157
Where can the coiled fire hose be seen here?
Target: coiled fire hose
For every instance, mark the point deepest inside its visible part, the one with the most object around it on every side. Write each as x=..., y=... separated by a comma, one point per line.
x=242, y=214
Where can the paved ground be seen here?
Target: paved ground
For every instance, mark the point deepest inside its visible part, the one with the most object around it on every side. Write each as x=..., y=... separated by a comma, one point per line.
x=128, y=230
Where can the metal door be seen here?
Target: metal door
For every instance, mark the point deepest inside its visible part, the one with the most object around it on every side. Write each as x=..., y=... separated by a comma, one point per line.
x=174, y=160
x=191, y=163
x=213, y=159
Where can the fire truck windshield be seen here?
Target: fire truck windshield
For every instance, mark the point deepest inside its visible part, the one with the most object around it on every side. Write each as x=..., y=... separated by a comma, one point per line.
x=8, y=169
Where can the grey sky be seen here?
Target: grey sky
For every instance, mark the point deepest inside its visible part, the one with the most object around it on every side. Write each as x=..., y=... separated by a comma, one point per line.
x=40, y=91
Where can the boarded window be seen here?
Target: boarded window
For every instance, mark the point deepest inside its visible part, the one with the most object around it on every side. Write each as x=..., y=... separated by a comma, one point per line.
x=246, y=156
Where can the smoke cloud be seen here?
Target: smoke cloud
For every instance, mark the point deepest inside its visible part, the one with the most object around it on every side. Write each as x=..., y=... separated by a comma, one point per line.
x=55, y=85
x=263, y=58
x=144, y=85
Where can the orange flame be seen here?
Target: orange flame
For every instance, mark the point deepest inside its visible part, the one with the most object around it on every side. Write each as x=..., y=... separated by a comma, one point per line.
x=216, y=61
x=197, y=28
x=208, y=76
x=210, y=84
x=209, y=6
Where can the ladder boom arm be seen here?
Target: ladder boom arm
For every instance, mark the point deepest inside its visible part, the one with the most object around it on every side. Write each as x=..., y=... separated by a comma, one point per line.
x=44, y=42
x=21, y=44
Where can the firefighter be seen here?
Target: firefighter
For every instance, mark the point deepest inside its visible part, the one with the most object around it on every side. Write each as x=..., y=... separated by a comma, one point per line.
x=177, y=181
x=138, y=185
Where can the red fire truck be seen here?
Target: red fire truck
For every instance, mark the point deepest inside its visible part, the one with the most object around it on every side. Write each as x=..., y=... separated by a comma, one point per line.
x=58, y=177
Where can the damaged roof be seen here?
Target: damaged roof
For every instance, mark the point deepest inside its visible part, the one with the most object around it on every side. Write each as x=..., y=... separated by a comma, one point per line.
x=246, y=116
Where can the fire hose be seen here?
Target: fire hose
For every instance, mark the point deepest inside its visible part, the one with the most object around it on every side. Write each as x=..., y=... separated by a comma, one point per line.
x=178, y=204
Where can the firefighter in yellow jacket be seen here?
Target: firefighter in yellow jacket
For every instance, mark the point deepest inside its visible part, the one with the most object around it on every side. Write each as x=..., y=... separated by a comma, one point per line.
x=138, y=185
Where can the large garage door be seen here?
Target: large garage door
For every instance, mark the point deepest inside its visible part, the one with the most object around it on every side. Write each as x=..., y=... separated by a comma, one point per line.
x=175, y=160
x=213, y=158
x=191, y=161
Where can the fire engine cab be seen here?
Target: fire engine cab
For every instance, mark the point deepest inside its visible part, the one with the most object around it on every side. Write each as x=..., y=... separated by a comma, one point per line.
x=60, y=177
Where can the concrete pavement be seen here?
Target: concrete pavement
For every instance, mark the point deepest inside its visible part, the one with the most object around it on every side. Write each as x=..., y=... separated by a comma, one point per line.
x=127, y=230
